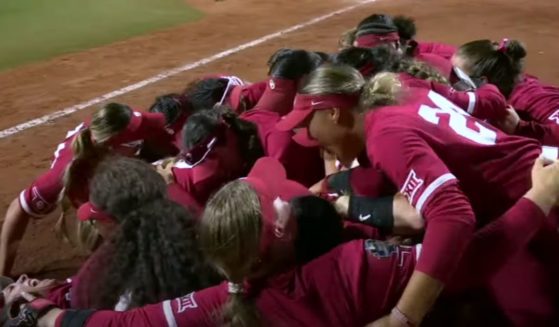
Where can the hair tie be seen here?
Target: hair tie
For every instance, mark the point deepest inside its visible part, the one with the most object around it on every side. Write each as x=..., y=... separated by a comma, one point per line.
x=503, y=45
x=235, y=288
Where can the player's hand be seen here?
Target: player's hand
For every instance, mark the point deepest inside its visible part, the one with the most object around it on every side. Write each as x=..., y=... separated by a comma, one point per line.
x=510, y=123
x=545, y=184
x=407, y=220
x=342, y=205
x=165, y=169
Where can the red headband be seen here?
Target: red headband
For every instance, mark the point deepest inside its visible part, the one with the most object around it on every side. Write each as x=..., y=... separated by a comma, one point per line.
x=88, y=211
x=372, y=40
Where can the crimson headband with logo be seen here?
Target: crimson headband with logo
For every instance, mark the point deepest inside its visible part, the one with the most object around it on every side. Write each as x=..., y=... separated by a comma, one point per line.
x=372, y=40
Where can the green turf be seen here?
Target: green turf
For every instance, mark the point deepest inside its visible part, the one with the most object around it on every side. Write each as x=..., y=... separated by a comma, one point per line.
x=34, y=30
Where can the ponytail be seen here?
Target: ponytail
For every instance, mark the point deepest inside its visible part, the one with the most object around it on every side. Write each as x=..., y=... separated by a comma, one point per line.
x=421, y=70
x=381, y=90
x=241, y=311
x=347, y=39
x=501, y=63
x=84, y=152
x=249, y=139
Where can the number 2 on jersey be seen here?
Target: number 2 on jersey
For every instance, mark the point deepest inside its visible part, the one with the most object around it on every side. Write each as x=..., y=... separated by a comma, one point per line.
x=457, y=120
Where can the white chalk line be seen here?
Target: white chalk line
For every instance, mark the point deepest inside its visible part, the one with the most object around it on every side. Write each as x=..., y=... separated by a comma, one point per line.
x=168, y=73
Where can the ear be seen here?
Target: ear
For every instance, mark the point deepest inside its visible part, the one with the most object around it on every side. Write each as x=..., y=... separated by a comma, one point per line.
x=334, y=115
x=283, y=213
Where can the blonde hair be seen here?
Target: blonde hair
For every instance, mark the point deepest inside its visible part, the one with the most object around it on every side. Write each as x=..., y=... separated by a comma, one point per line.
x=230, y=237
x=347, y=39
x=89, y=147
x=381, y=90
x=422, y=70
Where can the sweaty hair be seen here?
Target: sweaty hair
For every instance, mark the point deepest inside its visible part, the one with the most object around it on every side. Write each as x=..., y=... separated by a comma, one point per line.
x=501, y=66
x=406, y=27
x=376, y=24
x=204, y=94
x=319, y=227
x=230, y=237
x=384, y=58
x=204, y=123
x=89, y=148
x=381, y=90
x=347, y=39
x=172, y=106
x=154, y=253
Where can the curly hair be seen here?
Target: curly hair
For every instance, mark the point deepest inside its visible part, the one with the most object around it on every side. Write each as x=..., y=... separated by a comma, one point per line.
x=384, y=58
x=154, y=253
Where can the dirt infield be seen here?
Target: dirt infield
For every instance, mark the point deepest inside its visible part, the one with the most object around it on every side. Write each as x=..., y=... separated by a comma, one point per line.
x=38, y=89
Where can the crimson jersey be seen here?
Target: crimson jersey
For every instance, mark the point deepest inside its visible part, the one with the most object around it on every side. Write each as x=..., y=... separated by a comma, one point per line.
x=303, y=165
x=352, y=285
x=437, y=154
x=536, y=101
x=43, y=195
x=441, y=49
x=485, y=102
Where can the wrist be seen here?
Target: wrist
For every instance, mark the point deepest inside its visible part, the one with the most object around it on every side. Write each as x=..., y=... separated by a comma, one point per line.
x=401, y=318
x=542, y=198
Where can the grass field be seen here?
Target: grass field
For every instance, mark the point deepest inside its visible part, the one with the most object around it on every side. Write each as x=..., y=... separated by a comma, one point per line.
x=34, y=30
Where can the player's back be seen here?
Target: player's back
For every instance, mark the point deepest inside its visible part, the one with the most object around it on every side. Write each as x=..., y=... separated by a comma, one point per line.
x=493, y=168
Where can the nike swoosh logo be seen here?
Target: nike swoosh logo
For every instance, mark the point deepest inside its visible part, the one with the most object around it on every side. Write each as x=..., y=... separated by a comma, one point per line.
x=316, y=103
x=363, y=218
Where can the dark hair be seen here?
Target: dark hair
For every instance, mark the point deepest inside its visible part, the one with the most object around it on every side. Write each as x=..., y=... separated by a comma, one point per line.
x=121, y=184
x=319, y=227
x=406, y=27
x=154, y=253
x=501, y=65
x=385, y=58
x=376, y=24
x=205, y=93
x=172, y=106
x=204, y=123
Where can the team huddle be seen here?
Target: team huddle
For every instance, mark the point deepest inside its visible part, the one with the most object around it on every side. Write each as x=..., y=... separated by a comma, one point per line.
x=393, y=182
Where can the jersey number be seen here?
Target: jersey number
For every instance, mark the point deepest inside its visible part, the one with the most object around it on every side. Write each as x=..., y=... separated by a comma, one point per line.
x=457, y=120
x=62, y=145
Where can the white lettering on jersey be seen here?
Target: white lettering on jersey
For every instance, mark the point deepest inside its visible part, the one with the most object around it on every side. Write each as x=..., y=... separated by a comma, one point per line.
x=555, y=117
x=411, y=185
x=186, y=302
x=457, y=121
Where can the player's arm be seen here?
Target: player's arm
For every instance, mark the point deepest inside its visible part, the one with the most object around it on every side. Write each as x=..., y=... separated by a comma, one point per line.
x=449, y=218
x=485, y=102
x=13, y=228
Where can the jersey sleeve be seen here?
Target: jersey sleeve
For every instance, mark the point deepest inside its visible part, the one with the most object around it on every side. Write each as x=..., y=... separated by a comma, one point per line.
x=195, y=309
x=546, y=134
x=493, y=244
x=485, y=103
x=433, y=190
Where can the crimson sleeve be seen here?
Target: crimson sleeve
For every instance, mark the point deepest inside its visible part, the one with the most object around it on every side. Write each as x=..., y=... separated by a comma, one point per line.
x=485, y=103
x=495, y=243
x=195, y=309
x=449, y=218
x=547, y=134
x=430, y=187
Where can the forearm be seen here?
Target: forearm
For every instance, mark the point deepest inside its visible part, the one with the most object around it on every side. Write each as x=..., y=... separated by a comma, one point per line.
x=13, y=229
x=419, y=296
